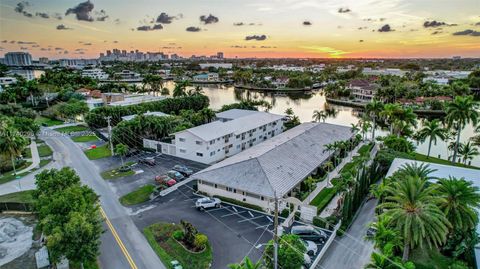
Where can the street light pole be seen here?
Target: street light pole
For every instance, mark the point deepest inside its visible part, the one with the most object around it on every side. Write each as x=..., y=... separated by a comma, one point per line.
x=275, y=236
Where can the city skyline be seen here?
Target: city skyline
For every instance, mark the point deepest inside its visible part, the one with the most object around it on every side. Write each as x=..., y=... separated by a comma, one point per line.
x=271, y=29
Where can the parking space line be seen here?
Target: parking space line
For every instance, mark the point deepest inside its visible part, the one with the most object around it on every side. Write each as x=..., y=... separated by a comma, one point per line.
x=261, y=227
x=215, y=209
x=231, y=214
x=251, y=219
x=234, y=209
x=270, y=219
x=251, y=214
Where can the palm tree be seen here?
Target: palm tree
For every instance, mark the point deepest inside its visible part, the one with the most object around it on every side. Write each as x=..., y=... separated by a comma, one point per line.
x=461, y=202
x=12, y=144
x=354, y=128
x=373, y=110
x=180, y=88
x=384, y=233
x=460, y=112
x=389, y=113
x=319, y=115
x=422, y=171
x=207, y=114
x=246, y=264
x=412, y=206
x=289, y=112
x=122, y=150
x=431, y=130
x=467, y=151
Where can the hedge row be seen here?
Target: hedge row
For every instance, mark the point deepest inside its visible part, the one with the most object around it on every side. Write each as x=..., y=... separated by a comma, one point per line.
x=96, y=117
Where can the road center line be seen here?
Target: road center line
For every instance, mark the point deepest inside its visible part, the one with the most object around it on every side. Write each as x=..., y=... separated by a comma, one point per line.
x=119, y=241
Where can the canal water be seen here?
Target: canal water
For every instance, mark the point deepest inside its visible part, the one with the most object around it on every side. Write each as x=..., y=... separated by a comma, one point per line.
x=303, y=106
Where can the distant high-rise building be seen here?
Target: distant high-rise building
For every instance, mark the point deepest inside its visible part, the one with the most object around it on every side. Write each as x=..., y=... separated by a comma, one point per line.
x=220, y=55
x=43, y=60
x=109, y=53
x=102, y=55
x=18, y=59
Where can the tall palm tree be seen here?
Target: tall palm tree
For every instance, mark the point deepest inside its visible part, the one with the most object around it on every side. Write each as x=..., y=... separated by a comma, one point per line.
x=122, y=150
x=431, y=130
x=461, y=202
x=412, y=206
x=354, y=128
x=319, y=115
x=422, y=171
x=289, y=112
x=12, y=144
x=467, y=151
x=389, y=113
x=246, y=264
x=460, y=112
x=373, y=110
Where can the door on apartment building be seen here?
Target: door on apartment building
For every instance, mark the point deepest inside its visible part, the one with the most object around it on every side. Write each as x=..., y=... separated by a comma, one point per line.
x=159, y=147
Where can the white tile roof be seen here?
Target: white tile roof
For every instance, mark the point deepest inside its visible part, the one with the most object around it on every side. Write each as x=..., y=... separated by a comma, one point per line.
x=279, y=163
x=236, y=113
x=154, y=113
x=217, y=129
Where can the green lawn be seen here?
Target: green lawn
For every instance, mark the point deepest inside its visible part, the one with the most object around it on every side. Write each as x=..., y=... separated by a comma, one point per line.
x=365, y=148
x=86, y=265
x=47, y=121
x=114, y=173
x=323, y=198
x=8, y=176
x=138, y=196
x=44, y=150
x=17, y=197
x=85, y=138
x=159, y=236
x=44, y=162
x=70, y=129
x=423, y=158
x=99, y=152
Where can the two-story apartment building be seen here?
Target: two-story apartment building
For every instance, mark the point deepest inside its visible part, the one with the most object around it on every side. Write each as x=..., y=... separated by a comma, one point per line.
x=234, y=131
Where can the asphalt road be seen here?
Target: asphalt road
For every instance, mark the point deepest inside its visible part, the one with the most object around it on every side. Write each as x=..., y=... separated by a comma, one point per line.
x=352, y=251
x=112, y=256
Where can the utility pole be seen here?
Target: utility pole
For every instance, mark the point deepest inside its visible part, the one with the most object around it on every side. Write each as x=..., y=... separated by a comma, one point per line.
x=275, y=235
x=108, y=118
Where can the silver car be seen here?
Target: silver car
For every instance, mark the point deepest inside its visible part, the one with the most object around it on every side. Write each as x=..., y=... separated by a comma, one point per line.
x=204, y=203
x=311, y=247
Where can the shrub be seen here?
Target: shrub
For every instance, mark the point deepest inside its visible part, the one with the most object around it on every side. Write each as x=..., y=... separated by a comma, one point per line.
x=284, y=213
x=201, y=241
x=190, y=232
x=178, y=235
x=319, y=222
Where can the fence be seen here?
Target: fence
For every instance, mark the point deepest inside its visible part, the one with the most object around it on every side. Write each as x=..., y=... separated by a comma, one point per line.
x=16, y=207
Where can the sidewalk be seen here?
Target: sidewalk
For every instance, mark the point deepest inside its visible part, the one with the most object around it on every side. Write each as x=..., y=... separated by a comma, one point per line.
x=35, y=158
x=333, y=174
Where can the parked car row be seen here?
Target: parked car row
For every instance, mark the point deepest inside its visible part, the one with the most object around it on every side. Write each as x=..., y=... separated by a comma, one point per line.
x=177, y=174
x=310, y=236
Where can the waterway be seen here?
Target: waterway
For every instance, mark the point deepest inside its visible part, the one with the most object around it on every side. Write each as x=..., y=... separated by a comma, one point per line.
x=303, y=106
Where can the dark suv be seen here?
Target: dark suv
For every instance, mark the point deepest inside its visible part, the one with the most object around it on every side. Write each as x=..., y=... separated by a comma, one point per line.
x=309, y=233
x=148, y=161
x=183, y=169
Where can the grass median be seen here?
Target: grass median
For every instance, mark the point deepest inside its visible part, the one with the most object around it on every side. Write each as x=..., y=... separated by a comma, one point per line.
x=138, y=196
x=98, y=152
x=18, y=197
x=72, y=129
x=85, y=138
x=159, y=236
x=117, y=173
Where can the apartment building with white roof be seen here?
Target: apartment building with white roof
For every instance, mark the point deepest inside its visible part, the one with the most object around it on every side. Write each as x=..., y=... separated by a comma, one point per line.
x=234, y=131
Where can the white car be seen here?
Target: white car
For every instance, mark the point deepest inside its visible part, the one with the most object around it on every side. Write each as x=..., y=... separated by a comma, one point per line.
x=311, y=247
x=307, y=261
x=204, y=203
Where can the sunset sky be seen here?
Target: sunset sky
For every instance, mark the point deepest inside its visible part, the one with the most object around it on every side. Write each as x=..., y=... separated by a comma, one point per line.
x=245, y=28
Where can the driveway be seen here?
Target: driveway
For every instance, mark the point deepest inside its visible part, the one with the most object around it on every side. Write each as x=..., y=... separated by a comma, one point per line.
x=352, y=251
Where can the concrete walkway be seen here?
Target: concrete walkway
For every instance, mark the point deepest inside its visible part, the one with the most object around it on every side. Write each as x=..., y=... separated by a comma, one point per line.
x=35, y=158
x=333, y=174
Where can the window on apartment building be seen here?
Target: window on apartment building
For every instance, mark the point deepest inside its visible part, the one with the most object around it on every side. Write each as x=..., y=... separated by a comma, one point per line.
x=215, y=186
x=229, y=189
x=262, y=198
x=181, y=139
x=212, y=142
x=238, y=136
x=198, y=142
x=199, y=154
x=183, y=151
x=212, y=153
x=254, y=129
x=231, y=145
x=238, y=146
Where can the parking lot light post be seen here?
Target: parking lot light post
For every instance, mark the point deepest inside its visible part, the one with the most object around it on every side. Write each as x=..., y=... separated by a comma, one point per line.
x=110, y=134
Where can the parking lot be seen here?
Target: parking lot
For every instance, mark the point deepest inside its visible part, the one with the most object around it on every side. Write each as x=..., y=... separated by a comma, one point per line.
x=145, y=174
x=233, y=231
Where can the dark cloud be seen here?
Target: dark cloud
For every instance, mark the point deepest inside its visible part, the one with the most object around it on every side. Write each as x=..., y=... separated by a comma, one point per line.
x=42, y=15
x=87, y=44
x=468, y=32
x=80, y=52
x=477, y=24
x=361, y=41
x=12, y=41
x=82, y=11
x=65, y=52
x=57, y=16
x=26, y=42
x=238, y=24
x=362, y=28
x=101, y=15
x=58, y=48
x=4, y=41
x=80, y=49
x=344, y=10
x=428, y=24
x=117, y=21
x=150, y=28
x=35, y=46
x=238, y=47
x=193, y=29
x=307, y=23
x=385, y=28
x=436, y=32
x=256, y=37
x=164, y=18
x=63, y=27
x=209, y=19
x=20, y=8
x=45, y=49
x=115, y=41
x=23, y=48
